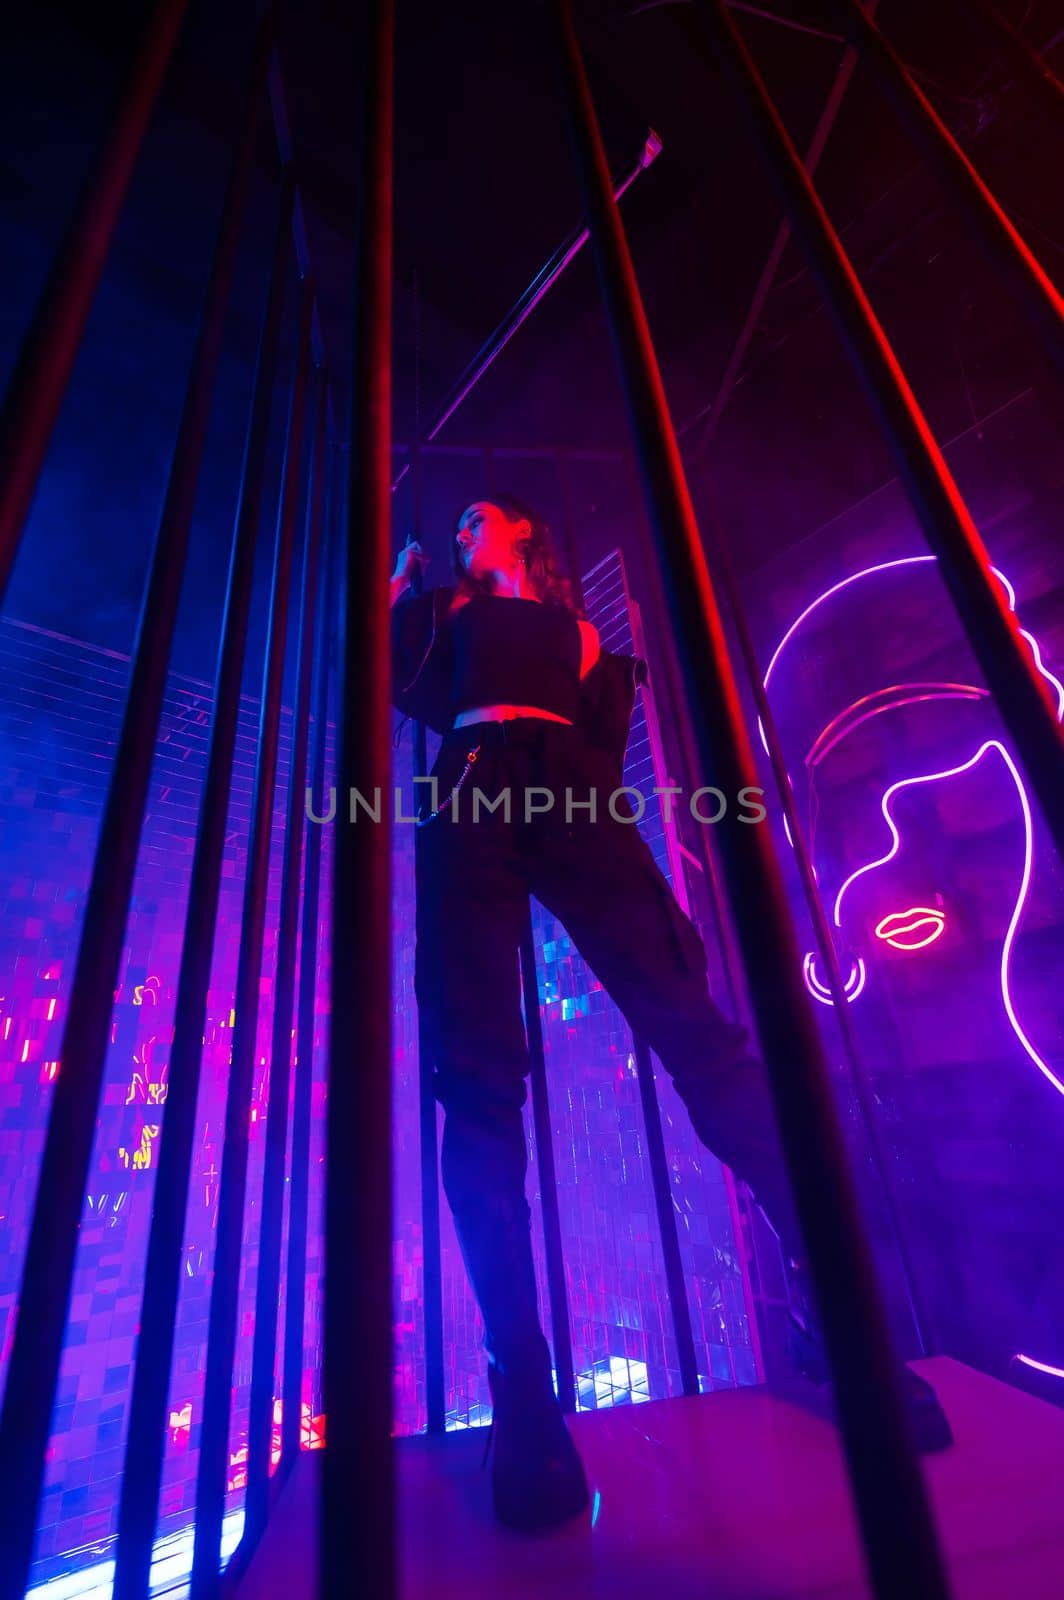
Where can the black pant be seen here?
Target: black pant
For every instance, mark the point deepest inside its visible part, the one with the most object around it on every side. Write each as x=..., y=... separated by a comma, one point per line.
x=600, y=879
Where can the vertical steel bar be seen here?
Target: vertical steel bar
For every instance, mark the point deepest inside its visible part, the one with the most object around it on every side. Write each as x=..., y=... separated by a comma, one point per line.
x=302, y=1099
x=706, y=860
x=896, y=1522
x=685, y=751
x=648, y=1092
x=268, y=1280
x=46, y=360
x=1022, y=272
x=1022, y=694
x=725, y=573
x=143, y=1468
x=232, y=1185
x=557, y=1292
x=431, y=1260
x=670, y=1239
x=358, y=1510
x=53, y=1234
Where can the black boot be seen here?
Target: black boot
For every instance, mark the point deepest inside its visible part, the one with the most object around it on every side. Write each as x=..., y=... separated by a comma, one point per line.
x=537, y=1476
x=805, y=1343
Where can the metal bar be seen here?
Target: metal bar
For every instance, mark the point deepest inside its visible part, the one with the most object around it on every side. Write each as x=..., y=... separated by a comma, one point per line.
x=527, y=302
x=1022, y=694
x=572, y=558
x=268, y=1279
x=704, y=859
x=821, y=133
x=685, y=751
x=431, y=1258
x=557, y=1293
x=64, y=1168
x=661, y=1181
x=162, y=1274
x=670, y=1239
x=358, y=1506
x=232, y=1185
x=1025, y=62
x=516, y=452
x=895, y=1518
x=46, y=360
x=750, y=1299
x=302, y=1099
x=1023, y=274
x=724, y=572
x=286, y=152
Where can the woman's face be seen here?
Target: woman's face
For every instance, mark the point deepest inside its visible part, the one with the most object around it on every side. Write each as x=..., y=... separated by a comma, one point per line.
x=486, y=539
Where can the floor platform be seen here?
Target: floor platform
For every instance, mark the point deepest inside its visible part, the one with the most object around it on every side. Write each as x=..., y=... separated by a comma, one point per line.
x=740, y=1495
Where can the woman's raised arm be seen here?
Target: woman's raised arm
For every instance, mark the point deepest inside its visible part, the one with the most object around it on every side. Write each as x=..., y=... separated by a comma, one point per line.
x=409, y=558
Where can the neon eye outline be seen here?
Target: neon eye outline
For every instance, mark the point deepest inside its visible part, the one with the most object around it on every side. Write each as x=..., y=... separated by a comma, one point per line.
x=853, y=986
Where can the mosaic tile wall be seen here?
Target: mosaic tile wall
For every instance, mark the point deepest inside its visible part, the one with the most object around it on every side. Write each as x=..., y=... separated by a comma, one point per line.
x=60, y=707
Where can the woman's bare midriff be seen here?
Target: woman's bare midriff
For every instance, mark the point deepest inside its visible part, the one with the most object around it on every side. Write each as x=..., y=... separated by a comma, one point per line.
x=504, y=714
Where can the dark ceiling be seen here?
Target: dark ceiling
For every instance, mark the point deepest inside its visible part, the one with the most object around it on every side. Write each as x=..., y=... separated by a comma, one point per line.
x=486, y=192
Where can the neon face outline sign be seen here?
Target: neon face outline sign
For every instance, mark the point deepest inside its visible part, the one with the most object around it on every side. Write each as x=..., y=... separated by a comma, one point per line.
x=915, y=928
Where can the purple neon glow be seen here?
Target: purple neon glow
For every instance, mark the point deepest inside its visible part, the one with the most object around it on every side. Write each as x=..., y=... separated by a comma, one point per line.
x=1021, y=898
x=1040, y=1366
x=890, y=566
x=992, y=744
x=853, y=986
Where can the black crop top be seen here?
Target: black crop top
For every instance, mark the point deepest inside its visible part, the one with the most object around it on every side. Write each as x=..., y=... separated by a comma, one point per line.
x=508, y=651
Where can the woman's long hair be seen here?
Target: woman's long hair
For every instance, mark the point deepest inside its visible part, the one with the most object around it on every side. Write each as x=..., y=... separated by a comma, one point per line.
x=537, y=548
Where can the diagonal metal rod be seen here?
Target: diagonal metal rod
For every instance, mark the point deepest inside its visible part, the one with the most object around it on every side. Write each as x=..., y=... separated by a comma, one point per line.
x=1022, y=694
x=1023, y=274
x=50, y=348
x=53, y=1234
x=268, y=1279
x=358, y=1503
x=232, y=1185
x=523, y=307
x=895, y=1517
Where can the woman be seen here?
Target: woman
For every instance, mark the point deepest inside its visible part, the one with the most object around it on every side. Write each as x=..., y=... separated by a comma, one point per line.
x=529, y=704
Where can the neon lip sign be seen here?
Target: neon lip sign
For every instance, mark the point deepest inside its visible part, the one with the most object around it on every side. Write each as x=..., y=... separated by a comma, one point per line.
x=929, y=924
x=914, y=929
